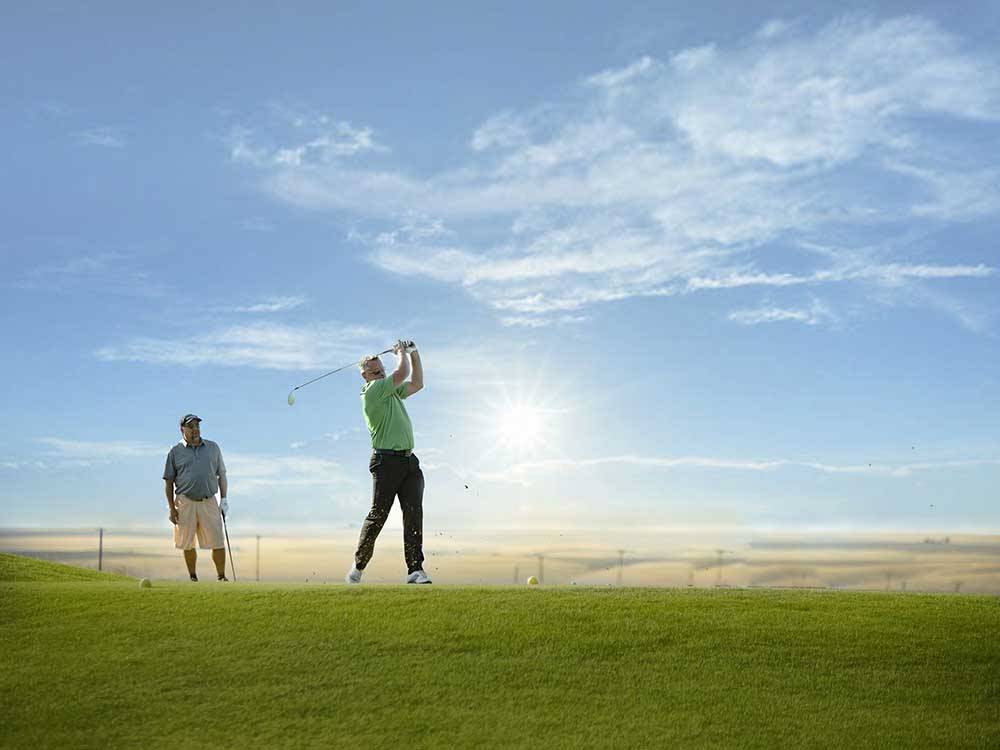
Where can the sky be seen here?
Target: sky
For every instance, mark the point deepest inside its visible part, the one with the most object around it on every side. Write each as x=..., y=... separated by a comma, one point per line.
x=668, y=265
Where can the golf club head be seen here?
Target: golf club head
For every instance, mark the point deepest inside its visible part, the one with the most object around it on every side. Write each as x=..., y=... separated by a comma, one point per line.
x=291, y=397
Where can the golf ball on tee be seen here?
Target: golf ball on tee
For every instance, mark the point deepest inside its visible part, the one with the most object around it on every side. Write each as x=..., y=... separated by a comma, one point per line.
x=145, y=583
x=532, y=581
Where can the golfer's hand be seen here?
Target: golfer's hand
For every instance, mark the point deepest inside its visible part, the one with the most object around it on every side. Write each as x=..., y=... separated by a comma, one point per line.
x=410, y=347
x=399, y=347
x=173, y=516
x=224, y=507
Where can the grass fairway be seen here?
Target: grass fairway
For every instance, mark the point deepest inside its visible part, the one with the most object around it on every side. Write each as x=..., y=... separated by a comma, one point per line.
x=100, y=663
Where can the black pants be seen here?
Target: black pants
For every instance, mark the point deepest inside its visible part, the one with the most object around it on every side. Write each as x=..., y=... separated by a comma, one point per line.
x=391, y=476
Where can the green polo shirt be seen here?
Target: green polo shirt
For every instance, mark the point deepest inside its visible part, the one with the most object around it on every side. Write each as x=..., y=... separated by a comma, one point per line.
x=386, y=417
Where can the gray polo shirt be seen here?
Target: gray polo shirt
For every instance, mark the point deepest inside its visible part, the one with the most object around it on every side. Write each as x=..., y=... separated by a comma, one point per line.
x=195, y=471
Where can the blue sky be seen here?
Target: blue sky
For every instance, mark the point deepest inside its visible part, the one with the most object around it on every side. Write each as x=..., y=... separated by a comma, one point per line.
x=668, y=266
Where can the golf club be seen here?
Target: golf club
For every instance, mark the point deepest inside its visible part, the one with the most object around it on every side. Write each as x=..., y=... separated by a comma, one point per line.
x=291, y=393
x=231, y=560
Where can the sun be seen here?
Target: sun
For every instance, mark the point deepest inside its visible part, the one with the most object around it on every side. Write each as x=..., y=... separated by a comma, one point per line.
x=520, y=427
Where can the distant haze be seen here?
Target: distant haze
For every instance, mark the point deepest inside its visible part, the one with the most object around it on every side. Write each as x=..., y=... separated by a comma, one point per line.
x=963, y=563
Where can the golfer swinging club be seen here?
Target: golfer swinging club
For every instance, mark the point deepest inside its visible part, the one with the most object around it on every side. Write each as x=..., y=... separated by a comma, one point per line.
x=394, y=468
x=194, y=472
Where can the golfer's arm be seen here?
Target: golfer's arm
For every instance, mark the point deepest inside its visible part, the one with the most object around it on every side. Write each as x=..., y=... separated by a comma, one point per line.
x=417, y=380
x=169, y=487
x=223, y=488
x=402, y=371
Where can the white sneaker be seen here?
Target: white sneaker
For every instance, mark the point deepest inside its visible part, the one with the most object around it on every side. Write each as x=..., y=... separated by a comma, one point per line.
x=353, y=575
x=418, y=576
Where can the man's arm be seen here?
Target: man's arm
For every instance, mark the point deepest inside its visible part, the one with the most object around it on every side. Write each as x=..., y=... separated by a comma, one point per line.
x=417, y=381
x=171, y=503
x=220, y=472
x=402, y=371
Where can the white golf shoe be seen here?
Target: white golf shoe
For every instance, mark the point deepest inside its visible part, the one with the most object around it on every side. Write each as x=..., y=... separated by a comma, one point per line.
x=353, y=575
x=418, y=576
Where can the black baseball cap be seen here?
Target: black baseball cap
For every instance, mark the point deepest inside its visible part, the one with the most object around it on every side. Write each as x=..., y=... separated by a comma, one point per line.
x=189, y=418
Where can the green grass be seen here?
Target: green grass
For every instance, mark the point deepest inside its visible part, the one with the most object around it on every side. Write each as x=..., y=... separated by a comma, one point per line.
x=18, y=568
x=97, y=664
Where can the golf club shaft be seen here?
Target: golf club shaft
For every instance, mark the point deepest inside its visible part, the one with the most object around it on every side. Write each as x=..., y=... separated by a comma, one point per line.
x=349, y=364
x=232, y=562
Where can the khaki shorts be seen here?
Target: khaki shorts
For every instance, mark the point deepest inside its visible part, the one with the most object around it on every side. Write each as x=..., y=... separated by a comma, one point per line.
x=202, y=519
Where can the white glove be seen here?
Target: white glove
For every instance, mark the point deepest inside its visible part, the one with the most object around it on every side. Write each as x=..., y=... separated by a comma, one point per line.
x=224, y=507
x=409, y=347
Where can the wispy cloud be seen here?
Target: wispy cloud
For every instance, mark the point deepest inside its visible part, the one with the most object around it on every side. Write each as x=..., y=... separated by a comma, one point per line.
x=256, y=473
x=773, y=28
x=536, y=321
x=252, y=472
x=326, y=438
x=305, y=140
x=817, y=313
x=257, y=225
x=261, y=345
x=520, y=473
x=66, y=452
x=19, y=465
x=113, y=272
x=674, y=176
x=269, y=305
x=105, y=137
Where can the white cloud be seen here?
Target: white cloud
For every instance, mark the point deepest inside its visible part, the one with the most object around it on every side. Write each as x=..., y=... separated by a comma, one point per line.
x=19, y=465
x=112, y=272
x=827, y=98
x=100, y=451
x=614, y=79
x=691, y=59
x=504, y=130
x=657, y=179
x=773, y=28
x=262, y=345
x=326, y=439
x=520, y=473
x=253, y=473
x=953, y=193
x=304, y=141
x=891, y=274
x=271, y=305
x=534, y=321
x=817, y=313
x=257, y=225
x=105, y=137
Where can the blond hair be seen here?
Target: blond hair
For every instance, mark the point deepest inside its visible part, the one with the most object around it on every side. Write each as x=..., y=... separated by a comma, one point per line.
x=365, y=360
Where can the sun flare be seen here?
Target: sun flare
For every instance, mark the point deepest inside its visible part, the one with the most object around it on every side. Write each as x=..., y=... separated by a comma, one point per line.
x=520, y=426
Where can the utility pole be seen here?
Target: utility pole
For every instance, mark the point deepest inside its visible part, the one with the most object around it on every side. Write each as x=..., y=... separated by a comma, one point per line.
x=621, y=565
x=100, y=549
x=718, y=571
x=258, y=557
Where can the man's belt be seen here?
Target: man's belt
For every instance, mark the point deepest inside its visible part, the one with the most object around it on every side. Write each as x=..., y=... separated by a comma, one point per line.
x=388, y=452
